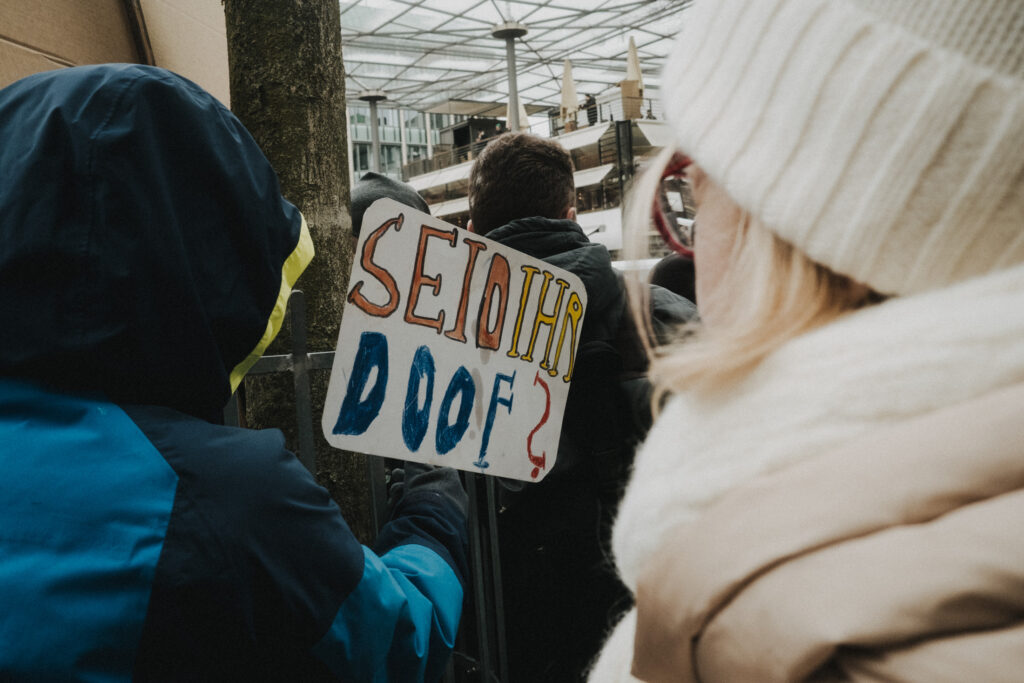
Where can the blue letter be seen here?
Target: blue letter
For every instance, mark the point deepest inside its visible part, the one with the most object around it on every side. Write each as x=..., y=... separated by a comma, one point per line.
x=414, y=422
x=491, y=411
x=449, y=434
x=355, y=416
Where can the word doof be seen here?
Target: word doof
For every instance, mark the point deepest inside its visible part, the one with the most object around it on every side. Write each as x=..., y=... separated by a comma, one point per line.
x=358, y=413
x=567, y=310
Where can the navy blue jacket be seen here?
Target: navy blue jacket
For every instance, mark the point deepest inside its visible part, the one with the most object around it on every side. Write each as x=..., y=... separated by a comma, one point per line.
x=145, y=257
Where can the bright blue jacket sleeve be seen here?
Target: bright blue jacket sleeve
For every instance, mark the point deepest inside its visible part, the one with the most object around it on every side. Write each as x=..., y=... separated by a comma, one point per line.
x=400, y=622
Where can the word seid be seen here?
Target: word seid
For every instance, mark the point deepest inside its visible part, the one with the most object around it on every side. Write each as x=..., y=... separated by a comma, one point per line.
x=561, y=321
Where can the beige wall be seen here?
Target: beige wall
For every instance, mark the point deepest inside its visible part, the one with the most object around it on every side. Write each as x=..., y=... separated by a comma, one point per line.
x=48, y=34
x=186, y=36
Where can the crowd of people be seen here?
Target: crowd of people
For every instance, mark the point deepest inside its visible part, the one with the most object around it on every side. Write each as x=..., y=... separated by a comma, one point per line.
x=819, y=477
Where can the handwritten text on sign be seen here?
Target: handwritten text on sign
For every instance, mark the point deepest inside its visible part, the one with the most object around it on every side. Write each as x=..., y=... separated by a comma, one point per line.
x=453, y=349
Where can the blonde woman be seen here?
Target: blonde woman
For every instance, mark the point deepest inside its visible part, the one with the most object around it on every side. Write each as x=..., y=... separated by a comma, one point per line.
x=834, y=489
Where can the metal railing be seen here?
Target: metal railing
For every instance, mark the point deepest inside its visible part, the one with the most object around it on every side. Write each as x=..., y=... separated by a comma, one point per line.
x=619, y=109
x=480, y=654
x=444, y=156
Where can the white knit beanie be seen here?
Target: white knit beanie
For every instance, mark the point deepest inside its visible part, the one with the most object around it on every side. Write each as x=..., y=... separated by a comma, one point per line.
x=884, y=138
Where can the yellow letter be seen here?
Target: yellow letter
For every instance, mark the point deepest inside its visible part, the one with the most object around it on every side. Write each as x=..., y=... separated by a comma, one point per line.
x=530, y=271
x=574, y=312
x=542, y=318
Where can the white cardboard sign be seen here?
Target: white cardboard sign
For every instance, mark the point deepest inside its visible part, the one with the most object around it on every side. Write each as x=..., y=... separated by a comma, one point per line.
x=453, y=349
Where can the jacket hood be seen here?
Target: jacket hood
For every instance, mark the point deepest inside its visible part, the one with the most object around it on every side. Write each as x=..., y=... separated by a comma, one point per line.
x=146, y=251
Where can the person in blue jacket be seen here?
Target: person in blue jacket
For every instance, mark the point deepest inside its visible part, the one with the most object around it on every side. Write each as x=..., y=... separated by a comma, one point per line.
x=146, y=254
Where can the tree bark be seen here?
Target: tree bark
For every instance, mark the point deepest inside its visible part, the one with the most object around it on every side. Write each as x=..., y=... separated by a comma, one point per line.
x=288, y=88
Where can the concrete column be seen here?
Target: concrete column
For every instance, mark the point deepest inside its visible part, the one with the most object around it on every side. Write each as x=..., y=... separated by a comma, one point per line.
x=401, y=135
x=508, y=32
x=351, y=159
x=372, y=97
x=430, y=137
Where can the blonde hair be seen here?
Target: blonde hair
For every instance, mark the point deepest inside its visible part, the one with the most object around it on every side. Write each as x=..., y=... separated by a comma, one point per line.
x=772, y=293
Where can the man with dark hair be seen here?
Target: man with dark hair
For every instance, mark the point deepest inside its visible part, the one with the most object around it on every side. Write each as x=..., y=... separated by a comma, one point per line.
x=560, y=592
x=538, y=171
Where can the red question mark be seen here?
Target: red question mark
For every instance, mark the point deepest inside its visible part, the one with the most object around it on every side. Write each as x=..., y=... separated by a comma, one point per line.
x=539, y=460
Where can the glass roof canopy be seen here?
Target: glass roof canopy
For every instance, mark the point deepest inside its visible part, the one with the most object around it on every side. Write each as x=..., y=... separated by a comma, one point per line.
x=439, y=55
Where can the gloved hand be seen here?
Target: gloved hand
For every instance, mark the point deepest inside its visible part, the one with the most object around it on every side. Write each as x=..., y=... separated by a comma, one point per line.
x=414, y=476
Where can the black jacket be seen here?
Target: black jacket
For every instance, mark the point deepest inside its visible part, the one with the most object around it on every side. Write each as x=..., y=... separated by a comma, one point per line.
x=561, y=593
x=611, y=361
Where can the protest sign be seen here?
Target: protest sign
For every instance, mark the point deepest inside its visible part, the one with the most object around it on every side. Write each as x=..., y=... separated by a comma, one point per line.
x=453, y=349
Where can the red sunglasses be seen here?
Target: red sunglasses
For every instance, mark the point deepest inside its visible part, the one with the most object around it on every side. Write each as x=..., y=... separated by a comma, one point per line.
x=677, y=232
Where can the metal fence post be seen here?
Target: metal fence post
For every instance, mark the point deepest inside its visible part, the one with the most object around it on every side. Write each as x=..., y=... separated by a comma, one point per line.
x=231, y=412
x=485, y=570
x=376, y=474
x=497, y=597
x=300, y=374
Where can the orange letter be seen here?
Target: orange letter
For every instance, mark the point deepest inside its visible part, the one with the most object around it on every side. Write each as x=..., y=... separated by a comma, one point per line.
x=497, y=278
x=458, y=332
x=383, y=276
x=419, y=280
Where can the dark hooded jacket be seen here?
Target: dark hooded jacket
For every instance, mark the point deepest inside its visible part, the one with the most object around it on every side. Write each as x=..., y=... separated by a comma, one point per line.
x=146, y=255
x=561, y=593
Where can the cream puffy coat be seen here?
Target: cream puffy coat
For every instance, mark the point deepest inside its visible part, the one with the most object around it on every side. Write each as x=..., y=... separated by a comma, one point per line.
x=851, y=510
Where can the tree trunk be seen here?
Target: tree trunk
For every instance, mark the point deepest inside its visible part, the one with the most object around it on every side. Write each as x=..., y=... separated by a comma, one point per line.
x=288, y=88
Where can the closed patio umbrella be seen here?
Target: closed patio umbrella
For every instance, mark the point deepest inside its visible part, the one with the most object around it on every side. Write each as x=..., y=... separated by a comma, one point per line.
x=570, y=102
